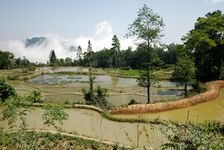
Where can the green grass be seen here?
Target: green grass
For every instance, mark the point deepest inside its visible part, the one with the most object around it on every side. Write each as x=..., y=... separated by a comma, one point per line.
x=164, y=74
x=130, y=72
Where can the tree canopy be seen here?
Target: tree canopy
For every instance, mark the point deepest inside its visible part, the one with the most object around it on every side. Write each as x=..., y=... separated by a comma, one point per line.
x=184, y=72
x=206, y=43
x=147, y=29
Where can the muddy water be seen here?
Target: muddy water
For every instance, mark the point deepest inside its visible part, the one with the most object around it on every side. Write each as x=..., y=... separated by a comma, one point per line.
x=209, y=111
x=68, y=88
x=103, y=80
x=92, y=124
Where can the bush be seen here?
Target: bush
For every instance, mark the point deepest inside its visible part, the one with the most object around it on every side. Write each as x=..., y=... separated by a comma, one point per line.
x=198, y=87
x=6, y=90
x=35, y=97
x=191, y=137
x=97, y=97
x=132, y=101
x=88, y=96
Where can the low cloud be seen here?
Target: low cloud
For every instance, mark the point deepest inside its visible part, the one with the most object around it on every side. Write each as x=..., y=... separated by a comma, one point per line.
x=40, y=53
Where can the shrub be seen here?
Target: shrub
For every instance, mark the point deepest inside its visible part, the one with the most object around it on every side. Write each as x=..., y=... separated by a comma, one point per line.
x=54, y=115
x=188, y=136
x=6, y=90
x=97, y=97
x=132, y=101
x=198, y=87
x=88, y=96
x=35, y=97
x=101, y=96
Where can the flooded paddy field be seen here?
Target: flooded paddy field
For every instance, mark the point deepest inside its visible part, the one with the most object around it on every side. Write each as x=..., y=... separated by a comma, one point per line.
x=68, y=88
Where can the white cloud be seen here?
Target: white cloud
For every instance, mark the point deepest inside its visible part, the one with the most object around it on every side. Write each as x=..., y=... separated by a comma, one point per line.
x=40, y=53
x=103, y=38
x=217, y=1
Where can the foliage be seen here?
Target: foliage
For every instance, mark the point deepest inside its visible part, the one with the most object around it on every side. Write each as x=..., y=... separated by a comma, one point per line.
x=101, y=96
x=132, y=101
x=6, y=90
x=206, y=43
x=187, y=136
x=16, y=107
x=35, y=97
x=88, y=96
x=96, y=97
x=41, y=140
x=52, y=59
x=170, y=53
x=117, y=59
x=147, y=27
x=146, y=80
x=198, y=87
x=79, y=55
x=184, y=72
x=6, y=60
x=54, y=115
x=143, y=79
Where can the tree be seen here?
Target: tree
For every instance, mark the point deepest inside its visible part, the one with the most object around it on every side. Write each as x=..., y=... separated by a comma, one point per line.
x=89, y=48
x=184, y=72
x=147, y=28
x=6, y=59
x=68, y=61
x=79, y=55
x=91, y=64
x=52, y=58
x=98, y=96
x=62, y=62
x=206, y=43
x=117, y=56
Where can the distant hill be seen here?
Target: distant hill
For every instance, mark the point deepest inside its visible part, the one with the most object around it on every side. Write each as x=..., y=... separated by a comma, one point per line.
x=35, y=41
x=45, y=42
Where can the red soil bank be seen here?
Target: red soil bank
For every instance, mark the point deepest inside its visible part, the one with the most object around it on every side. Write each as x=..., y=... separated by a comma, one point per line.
x=213, y=92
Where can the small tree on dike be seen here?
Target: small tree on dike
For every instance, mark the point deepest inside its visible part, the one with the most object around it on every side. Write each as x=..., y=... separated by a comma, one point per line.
x=147, y=28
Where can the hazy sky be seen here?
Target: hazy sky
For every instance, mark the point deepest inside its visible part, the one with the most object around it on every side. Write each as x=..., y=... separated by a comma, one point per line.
x=98, y=20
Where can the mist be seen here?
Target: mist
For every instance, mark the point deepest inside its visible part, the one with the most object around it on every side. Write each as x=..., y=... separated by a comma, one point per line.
x=40, y=52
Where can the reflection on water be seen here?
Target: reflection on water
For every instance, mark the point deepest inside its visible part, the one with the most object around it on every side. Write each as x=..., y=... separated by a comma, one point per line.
x=103, y=80
x=171, y=92
x=122, y=89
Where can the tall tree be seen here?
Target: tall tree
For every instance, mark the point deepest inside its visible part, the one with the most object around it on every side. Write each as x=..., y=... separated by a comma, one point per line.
x=52, y=58
x=206, y=42
x=115, y=43
x=147, y=28
x=91, y=64
x=89, y=48
x=79, y=55
x=184, y=72
x=117, y=56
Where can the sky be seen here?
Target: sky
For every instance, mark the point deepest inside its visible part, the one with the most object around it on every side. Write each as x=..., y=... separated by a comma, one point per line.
x=77, y=21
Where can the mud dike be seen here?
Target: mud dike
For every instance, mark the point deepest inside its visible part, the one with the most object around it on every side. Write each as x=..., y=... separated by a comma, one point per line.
x=212, y=92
